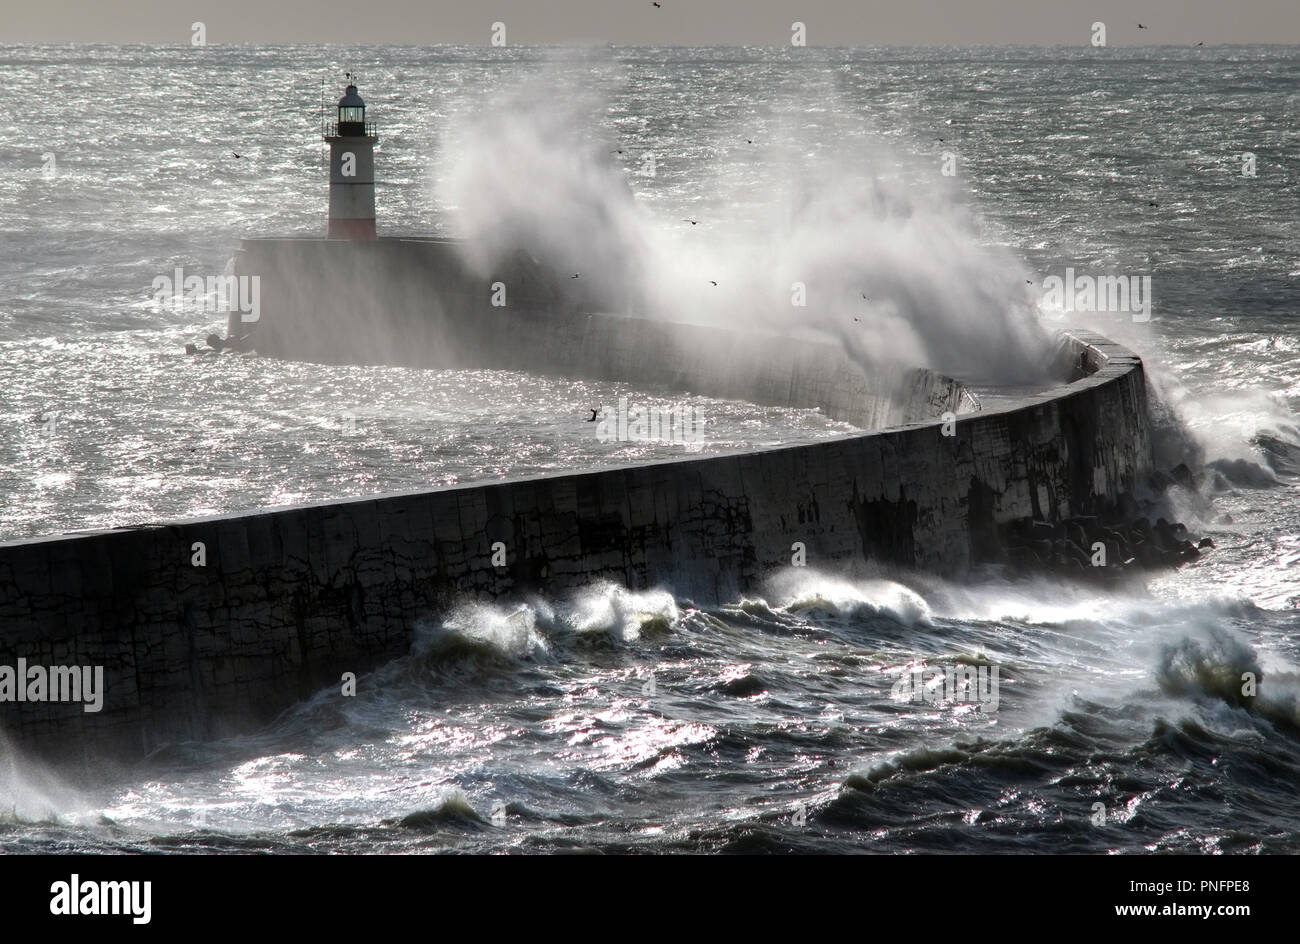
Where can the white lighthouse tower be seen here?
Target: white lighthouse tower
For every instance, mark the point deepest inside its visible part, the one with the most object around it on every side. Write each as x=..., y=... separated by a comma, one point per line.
x=352, y=169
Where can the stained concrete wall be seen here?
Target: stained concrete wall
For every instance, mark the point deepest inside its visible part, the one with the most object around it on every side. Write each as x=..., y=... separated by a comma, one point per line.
x=292, y=598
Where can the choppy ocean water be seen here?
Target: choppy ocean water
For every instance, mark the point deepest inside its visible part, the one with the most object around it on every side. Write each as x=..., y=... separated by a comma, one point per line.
x=637, y=721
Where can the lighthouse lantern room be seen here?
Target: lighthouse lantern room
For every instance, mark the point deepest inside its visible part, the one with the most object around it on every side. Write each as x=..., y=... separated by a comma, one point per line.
x=352, y=169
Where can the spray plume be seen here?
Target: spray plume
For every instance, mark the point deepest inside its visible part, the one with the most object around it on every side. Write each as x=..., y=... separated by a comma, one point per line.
x=893, y=271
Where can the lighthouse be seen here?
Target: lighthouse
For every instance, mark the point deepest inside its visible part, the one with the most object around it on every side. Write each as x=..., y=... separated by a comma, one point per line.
x=352, y=170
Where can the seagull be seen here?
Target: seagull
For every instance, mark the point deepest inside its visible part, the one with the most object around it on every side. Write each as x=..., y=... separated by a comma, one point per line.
x=692, y=222
x=713, y=283
x=593, y=415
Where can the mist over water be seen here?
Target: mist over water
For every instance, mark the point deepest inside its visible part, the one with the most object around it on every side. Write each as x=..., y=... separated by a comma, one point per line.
x=817, y=232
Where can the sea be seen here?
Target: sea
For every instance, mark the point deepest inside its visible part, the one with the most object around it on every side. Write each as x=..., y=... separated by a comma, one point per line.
x=620, y=719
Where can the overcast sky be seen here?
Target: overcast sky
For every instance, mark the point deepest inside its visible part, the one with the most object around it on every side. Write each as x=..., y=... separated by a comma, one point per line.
x=676, y=22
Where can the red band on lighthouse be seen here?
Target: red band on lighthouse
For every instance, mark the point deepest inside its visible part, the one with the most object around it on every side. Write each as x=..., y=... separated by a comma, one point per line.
x=351, y=229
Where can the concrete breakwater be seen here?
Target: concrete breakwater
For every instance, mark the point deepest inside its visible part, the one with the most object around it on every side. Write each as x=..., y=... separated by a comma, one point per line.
x=211, y=626
x=415, y=302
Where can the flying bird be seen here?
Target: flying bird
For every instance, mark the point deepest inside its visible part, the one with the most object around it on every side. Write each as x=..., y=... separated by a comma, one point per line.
x=574, y=276
x=593, y=415
x=749, y=140
x=713, y=283
x=657, y=5
x=692, y=222
x=1140, y=26
x=236, y=155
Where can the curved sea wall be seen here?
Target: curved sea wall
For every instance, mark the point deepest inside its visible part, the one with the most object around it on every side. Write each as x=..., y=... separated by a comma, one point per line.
x=288, y=600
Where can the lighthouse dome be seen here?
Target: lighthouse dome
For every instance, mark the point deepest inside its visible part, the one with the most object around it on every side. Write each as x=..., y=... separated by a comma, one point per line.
x=351, y=99
x=352, y=113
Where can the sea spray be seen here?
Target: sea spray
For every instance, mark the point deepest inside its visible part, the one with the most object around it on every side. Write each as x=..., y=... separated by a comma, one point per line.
x=840, y=244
